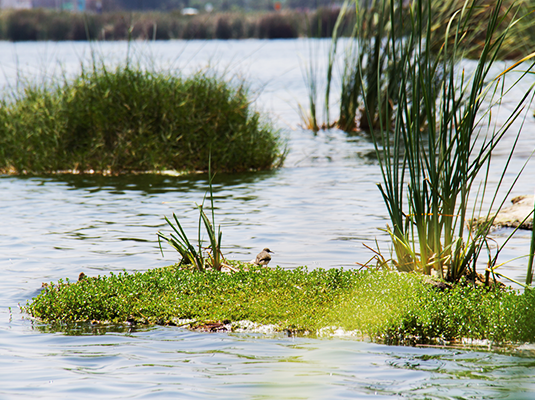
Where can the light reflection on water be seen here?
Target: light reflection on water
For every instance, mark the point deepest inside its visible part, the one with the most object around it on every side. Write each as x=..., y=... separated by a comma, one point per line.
x=316, y=211
x=167, y=361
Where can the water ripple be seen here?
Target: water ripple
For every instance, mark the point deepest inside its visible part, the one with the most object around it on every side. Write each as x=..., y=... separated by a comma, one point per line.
x=318, y=211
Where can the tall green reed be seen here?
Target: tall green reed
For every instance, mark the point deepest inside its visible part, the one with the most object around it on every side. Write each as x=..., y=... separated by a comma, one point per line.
x=364, y=60
x=330, y=63
x=309, y=115
x=529, y=272
x=369, y=50
x=200, y=257
x=435, y=161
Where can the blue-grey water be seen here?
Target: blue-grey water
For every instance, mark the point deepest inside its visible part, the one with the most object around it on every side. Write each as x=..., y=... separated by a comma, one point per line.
x=318, y=210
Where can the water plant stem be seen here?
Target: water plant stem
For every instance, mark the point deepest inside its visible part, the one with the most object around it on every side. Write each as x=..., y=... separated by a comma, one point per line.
x=182, y=244
x=529, y=272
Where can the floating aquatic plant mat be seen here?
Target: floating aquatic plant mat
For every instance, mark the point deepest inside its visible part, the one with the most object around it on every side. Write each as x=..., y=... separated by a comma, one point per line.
x=386, y=306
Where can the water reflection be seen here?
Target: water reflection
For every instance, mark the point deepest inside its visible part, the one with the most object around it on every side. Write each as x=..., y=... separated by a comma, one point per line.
x=150, y=183
x=148, y=362
x=87, y=328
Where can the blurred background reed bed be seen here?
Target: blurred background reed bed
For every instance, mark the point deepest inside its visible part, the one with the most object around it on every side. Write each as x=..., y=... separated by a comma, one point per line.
x=286, y=23
x=42, y=24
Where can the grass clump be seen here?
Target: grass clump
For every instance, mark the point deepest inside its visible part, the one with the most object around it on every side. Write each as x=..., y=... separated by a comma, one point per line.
x=386, y=306
x=390, y=39
x=432, y=120
x=199, y=258
x=128, y=119
x=441, y=142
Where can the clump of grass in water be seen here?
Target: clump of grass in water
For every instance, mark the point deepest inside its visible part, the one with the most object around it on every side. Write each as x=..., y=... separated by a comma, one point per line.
x=195, y=256
x=128, y=119
x=386, y=306
x=435, y=161
x=365, y=58
x=370, y=51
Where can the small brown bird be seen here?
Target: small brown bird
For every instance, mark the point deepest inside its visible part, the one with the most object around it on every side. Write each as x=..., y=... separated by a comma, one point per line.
x=263, y=258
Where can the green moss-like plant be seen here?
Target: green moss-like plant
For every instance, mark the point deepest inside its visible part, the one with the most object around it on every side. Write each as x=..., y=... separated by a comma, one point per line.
x=129, y=119
x=386, y=306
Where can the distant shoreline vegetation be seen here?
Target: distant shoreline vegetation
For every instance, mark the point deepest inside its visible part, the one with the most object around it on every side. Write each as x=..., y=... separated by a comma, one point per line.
x=41, y=24
x=53, y=25
x=126, y=120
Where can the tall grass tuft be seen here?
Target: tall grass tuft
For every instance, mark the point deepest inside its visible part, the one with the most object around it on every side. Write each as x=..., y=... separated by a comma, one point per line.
x=308, y=115
x=337, y=27
x=433, y=162
x=128, y=119
x=376, y=27
x=197, y=256
x=516, y=17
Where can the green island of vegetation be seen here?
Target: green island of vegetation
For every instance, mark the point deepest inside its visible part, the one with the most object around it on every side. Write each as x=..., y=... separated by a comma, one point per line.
x=133, y=120
x=386, y=306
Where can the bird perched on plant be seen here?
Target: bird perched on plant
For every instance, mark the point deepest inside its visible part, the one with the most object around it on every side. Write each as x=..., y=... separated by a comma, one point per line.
x=263, y=258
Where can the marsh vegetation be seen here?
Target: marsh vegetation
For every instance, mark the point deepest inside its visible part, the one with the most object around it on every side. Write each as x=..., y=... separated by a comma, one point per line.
x=127, y=119
x=388, y=35
x=431, y=120
x=24, y=25
x=434, y=137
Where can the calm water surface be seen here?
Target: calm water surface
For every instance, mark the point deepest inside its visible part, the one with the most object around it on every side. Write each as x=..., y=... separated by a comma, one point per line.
x=318, y=211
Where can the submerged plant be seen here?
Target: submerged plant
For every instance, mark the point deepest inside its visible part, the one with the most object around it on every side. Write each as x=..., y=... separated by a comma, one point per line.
x=434, y=161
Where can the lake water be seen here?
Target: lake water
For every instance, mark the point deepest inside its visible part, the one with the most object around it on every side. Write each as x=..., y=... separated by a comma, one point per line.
x=317, y=210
